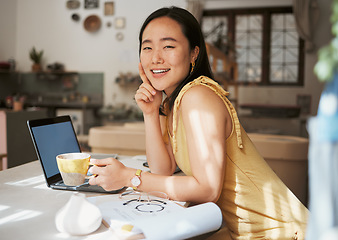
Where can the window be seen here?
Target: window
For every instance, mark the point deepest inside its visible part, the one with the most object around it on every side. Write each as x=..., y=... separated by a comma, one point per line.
x=249, y=47
x=264, y=42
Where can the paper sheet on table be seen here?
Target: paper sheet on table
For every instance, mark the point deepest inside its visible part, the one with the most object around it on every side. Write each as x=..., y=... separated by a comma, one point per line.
x=121, y=217
x=174, y=222
x=182, y=224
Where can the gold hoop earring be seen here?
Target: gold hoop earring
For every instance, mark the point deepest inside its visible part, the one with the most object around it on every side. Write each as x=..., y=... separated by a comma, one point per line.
x=192, y=67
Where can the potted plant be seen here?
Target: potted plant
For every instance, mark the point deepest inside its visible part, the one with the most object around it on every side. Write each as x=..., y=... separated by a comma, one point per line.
x=36, y=57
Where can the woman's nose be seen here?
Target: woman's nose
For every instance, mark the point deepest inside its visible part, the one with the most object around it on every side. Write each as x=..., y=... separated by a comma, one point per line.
x=157, y=57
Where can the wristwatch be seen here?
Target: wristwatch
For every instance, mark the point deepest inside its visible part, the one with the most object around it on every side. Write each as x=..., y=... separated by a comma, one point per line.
x=136, y=180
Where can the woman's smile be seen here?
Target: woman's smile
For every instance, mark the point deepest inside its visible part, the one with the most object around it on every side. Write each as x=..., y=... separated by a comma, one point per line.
x=157, y=73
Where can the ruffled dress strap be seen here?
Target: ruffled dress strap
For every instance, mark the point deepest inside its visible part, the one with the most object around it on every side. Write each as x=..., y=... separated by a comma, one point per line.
x=205, y=81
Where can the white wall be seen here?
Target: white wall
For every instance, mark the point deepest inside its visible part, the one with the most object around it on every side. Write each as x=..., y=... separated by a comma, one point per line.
x=216, y=4
x=47, y=25
x=7, y=29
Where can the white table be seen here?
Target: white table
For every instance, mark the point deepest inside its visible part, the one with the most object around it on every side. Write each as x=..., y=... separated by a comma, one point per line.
x=28, y=207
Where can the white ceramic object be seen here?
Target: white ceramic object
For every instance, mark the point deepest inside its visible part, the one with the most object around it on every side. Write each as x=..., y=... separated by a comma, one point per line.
x=78, y=216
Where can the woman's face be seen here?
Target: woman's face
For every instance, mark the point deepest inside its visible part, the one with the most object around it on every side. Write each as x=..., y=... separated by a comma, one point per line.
x=166, y=54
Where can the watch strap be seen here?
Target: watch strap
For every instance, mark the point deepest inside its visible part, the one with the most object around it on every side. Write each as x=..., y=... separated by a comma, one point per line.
x=137, y=175
x=138, y=172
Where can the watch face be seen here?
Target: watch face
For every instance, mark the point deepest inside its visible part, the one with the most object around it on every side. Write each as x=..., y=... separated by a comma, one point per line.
x=135, y=181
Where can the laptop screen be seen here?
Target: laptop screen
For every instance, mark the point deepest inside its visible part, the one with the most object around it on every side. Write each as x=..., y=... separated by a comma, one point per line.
x=52, y=140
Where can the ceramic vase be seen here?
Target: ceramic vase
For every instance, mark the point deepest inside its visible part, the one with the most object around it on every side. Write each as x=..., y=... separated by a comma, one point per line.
x=78, y=216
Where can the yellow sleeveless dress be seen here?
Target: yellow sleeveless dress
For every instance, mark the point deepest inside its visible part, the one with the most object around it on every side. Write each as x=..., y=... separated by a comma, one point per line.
x=255, y=203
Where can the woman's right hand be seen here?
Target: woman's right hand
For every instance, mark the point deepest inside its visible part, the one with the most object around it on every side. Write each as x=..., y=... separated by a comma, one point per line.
x=147, y=98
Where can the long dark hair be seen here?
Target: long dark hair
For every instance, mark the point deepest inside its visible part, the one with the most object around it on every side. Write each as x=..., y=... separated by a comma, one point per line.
x=192, y=31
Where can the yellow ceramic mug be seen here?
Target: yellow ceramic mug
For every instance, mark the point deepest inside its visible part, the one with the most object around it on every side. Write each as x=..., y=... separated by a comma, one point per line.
x=73, y=167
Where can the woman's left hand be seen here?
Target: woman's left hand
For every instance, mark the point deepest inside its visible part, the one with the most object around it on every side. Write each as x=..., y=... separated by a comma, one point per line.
x=107, y=173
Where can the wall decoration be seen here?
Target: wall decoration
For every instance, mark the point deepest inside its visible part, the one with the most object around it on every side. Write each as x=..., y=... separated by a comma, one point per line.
x=75, y=17
x=92, y=23
x=91, y=4
x=119, y=36
x=120, y=22
x=109, y=8
x=72, y=4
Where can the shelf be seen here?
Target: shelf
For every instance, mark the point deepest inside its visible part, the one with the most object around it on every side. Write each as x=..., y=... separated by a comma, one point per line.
x=276, y=111
x=8, y=71
x=54, y=75
x=57, y=72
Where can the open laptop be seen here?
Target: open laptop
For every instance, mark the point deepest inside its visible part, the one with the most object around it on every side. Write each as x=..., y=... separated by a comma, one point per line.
x=54, y=136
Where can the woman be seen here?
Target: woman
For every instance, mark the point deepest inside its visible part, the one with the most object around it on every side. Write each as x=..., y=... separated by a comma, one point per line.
x=198, y=130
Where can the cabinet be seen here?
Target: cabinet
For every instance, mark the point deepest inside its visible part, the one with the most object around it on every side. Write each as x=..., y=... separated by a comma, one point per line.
x=279, y=126
x=15, y=140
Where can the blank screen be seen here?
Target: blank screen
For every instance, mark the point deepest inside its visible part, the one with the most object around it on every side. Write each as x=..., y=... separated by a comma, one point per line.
x=52, y=140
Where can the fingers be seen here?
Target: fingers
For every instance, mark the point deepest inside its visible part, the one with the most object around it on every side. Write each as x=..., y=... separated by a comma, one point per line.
x=145, y=93
x=99, y=165
x=95, y=170
x=101, y=162
x=98, y=168
x=143, y=74
x=146, y=90
x=100, y=181
x=107, y=173
x=93, y=180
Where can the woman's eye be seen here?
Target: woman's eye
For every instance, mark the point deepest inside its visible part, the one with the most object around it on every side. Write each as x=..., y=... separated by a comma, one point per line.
x=169, y=47
x=146, y=48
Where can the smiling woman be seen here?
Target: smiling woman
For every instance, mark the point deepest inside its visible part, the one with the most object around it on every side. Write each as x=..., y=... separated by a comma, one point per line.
x=159, y=50
x=197, y=129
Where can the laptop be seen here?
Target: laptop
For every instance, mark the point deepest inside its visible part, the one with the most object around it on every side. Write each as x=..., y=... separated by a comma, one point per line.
x=54, y=136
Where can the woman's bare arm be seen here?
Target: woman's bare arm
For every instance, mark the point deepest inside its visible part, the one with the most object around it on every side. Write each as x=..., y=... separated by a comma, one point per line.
x=207, y=124
x=149, y=101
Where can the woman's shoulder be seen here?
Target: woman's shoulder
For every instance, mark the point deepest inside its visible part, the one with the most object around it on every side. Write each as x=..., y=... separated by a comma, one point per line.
x=198, y=93
x=201, y=88
x=204, y=81
x=201, y=97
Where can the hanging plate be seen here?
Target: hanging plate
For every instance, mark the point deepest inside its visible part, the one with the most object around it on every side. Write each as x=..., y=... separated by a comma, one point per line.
x=92, y=23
